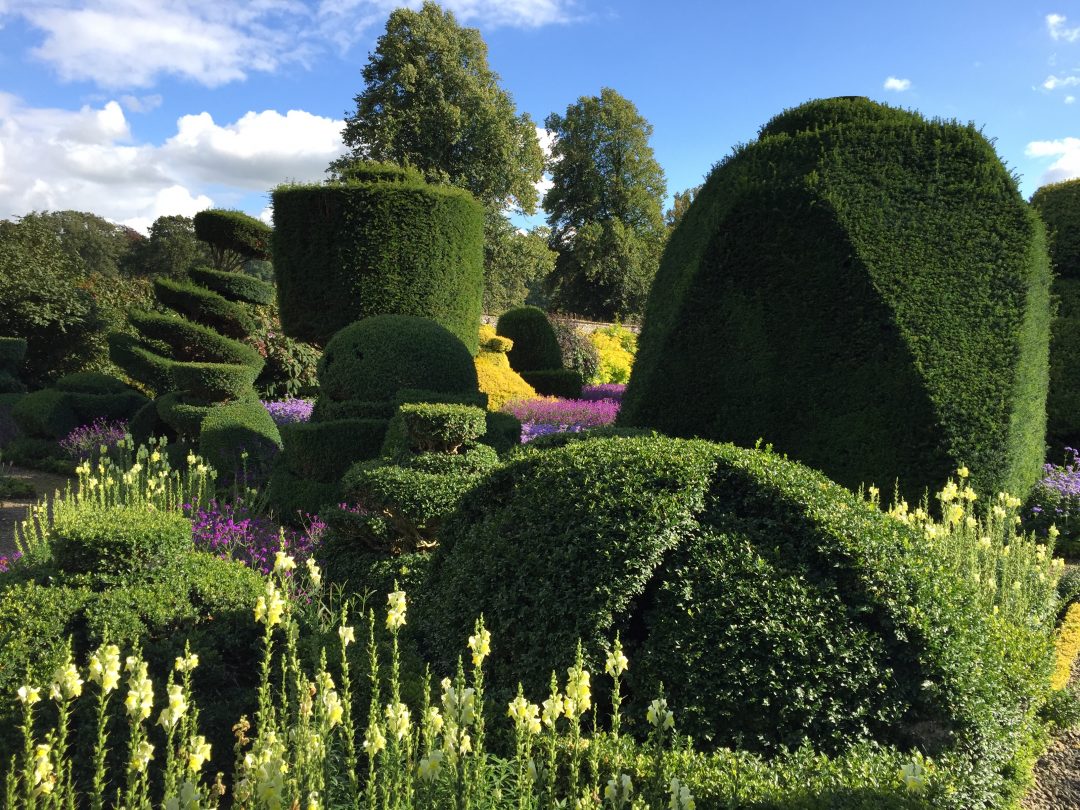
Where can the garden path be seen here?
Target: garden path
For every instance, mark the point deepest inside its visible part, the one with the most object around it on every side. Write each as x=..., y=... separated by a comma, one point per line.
x=13, y=510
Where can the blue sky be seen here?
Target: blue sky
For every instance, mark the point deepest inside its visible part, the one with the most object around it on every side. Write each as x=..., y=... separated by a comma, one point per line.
x=137, y=108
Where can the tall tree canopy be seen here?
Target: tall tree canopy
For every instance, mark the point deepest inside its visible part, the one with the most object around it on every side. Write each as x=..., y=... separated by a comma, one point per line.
x=432, y=102
x=171, y=250
x=93, y=244
x=605, y=208
x=515, y=262
x=679, y=206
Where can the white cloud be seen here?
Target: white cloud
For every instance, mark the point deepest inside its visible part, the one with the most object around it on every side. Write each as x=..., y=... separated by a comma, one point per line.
x=1070, y=99
x=1055, y=25
x=86, y=160
x=1053, y=82
x=898, y=85
x=1067, y=154
x=132, y=43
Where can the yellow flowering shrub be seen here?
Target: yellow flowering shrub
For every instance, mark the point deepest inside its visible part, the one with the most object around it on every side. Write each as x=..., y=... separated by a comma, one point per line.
x=500, y=382
x=1067, y=647
x=616, y=346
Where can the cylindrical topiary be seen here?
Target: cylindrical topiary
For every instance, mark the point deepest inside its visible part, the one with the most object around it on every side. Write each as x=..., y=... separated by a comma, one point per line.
x=536, y=347
x=1059, y=206
x=347, y=251
x=864, y=289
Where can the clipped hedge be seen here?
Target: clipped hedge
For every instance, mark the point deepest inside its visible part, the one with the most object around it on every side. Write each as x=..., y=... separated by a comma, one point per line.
x=204, y=306
x=234, y=429
x=193, y=342
x=234, y=231
x=560, y=382
x=45, y=414
x=535, y=346
x=1059, y=206
x=323, y=451
x=774, y=605
x=866, y=290
x=214, y=382
x=91, y=382
x=372, y=359
x=347, y=251
x=493, y=373
x=234, y=286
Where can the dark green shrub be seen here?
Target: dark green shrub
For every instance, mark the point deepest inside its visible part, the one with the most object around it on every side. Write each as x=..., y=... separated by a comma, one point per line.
x=204, y=306
x=234, y=286
x=293, y=497
x=477, y=399
x=866, y=290
x=233, y=429
x=1059, y=206
x=194, y=342
x=323, y=451
x=10, y=384
x=326, y=410
x=578, y=352
x=372, y=359
x=435, y=428
x=214, y=382
x=560, y=382
x=147, y=423
x=774, y=605
x=45, y=414
x=120, y=545
x=91, y=382
x=536, y=347
x=12, y=354
x=186, y=419
x=348, y=251
x=140, y=362
x=503, y=432
x=235, y=233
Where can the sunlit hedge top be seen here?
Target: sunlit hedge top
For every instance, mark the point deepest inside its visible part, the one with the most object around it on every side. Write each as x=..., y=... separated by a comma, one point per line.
x=345, y=251
x=864, y=288
x=1059, y=206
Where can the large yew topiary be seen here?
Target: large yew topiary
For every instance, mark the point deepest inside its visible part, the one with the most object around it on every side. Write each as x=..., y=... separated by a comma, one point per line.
x=866, y=290
x=1059, y=206
x=383, y=243
x=776, y=607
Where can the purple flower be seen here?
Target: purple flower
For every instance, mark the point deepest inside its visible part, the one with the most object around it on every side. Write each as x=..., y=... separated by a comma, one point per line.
x=86, y=441
x=289, y=411
x=605, y=391
x=564, y=412
x=7, y=562
x=233, y=531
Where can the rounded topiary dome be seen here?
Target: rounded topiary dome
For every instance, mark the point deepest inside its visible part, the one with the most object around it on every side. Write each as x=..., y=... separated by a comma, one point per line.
x=775, y=606
x=864, y=289
x=372, y=359
x=536, y=347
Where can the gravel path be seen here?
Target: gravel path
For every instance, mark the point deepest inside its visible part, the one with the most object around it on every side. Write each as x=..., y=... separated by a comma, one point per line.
x=13, y=511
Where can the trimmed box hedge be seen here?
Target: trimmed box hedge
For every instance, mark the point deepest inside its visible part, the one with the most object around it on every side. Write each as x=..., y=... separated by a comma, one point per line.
x=866, y=290
x=234, y=286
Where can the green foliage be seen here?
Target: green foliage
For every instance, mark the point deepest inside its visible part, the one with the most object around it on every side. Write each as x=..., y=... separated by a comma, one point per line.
x=93, y=244
x=514, y=262
x=372, y=359
x=774, y=605
x=214, y=382
x=193, y=342
x=503, y=432
x=371, y=171
x=431, y=101
x=183, y=417
x=294, y=497
x=91, y=382
x=579, y=354
x=866, y=290
x=171, y=250
x=141, y=362
x=42, y=302
x=616, y=347
x=204, y=306
x=434, y=428
x=561, y=382
x=45, y=414
x=239, y=438
x=120, y=545
x=679, y=206
x=326, y=410
x=12, y=354
x=234, y=286
x=344, y=252
x=535, y=346
x=1059, y=206
x=604, y=208
x=233, y=237
x=323, y=451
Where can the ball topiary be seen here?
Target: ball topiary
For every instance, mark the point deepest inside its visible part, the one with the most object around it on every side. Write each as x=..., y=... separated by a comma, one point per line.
x=863, y=288
x=375, y=357
x=240, y=440
x=535, y=346
x=1059, y=206
x=776, y=607
x=379, y=244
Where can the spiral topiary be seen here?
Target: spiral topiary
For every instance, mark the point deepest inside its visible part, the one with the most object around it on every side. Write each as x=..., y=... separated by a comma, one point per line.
x=195, y=361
